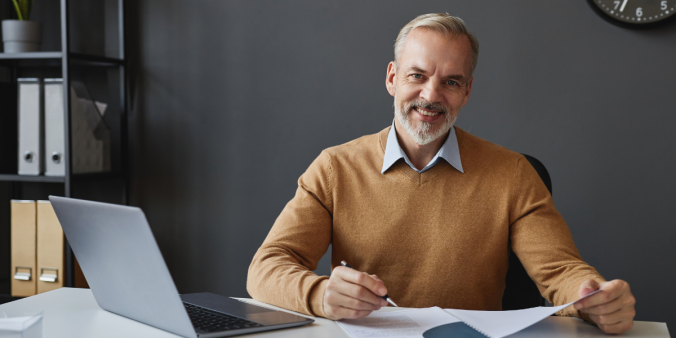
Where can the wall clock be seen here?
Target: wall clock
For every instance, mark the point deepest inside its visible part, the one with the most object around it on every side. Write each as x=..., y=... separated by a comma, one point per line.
x=635, y=13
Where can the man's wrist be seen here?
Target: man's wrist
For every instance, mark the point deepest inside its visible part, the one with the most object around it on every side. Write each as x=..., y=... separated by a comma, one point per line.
x=316, y=298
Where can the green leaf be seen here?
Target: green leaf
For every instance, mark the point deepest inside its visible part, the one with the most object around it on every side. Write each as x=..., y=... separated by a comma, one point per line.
x=23, y=8
x=18, y=10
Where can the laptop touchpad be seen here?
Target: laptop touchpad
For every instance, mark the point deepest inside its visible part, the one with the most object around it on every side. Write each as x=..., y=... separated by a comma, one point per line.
x=223, y=304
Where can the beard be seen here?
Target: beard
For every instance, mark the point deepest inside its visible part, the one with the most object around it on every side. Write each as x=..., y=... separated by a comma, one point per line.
x=424, y=132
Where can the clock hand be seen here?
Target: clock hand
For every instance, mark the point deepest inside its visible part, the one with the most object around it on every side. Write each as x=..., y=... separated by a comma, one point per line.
x=624, y=3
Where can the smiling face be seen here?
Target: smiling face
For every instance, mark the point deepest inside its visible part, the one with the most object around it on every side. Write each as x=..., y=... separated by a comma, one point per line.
x=430, y=82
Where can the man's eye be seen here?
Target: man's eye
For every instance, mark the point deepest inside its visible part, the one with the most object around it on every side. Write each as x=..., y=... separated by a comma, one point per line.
x=451, y=83
x=417, y=76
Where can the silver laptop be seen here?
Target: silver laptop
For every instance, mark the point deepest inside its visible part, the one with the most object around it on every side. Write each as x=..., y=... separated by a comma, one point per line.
x=128, y=276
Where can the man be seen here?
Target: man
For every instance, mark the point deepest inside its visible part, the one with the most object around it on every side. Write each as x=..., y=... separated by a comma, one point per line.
x=427, y=208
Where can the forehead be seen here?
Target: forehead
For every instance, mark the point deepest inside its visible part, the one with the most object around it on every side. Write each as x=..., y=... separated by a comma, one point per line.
x=436, y=52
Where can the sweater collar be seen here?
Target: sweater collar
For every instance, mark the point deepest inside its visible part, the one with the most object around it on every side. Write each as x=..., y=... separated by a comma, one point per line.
x=449, y=151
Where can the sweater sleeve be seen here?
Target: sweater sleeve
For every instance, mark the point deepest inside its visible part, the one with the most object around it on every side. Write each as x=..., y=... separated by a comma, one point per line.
x=281, y=272
x=542, y=241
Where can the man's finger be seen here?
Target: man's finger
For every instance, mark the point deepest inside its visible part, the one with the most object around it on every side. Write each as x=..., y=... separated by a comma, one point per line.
x=607, y=308
x=361, y=293
x=588, y=287
x=613, y=318
x=336, y=298
x=611, y=291
x=617, y=328
x=350, y=303
x=345, y=313
x=362, y=278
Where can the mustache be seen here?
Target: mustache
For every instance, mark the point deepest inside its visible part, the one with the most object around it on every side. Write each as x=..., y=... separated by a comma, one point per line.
x=422, y=103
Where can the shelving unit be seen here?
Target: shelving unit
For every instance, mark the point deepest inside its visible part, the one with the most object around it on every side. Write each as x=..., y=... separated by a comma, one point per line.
x=107, y=74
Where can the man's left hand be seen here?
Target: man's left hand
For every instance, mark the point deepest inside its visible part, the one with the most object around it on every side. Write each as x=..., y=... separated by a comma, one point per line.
x=612, y=309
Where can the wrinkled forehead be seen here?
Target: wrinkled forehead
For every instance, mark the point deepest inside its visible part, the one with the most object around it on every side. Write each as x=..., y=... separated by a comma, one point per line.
x=435, y=51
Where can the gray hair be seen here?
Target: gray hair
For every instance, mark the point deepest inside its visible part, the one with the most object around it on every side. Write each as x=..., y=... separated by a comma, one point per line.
x=442, y=23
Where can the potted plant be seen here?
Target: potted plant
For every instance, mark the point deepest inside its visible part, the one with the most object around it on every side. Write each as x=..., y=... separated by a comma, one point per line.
x=21, y=35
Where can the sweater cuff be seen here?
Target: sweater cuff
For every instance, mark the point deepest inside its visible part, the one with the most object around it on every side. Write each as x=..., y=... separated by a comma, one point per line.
x=317, y=298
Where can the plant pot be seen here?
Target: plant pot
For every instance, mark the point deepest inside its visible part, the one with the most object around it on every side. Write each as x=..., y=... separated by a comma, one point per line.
x=21, y=36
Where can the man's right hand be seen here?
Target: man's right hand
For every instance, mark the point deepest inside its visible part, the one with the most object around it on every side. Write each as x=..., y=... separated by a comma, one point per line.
x=352, y=294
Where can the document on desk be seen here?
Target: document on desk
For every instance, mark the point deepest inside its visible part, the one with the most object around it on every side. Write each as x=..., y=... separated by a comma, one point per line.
x=498, y=324
x=396, y=324
x=414, y=322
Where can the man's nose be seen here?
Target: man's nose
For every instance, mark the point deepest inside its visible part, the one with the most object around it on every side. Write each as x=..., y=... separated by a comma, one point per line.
x=431, y=92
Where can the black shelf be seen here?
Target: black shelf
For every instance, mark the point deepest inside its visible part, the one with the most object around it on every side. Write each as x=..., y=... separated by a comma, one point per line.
x=55, y=59
x=95, y=60
x=35, y=59
x=31, y=56
x=27, y=178
x=61, y=179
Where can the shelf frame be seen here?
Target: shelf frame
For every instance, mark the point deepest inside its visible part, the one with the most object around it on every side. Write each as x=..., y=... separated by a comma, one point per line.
x=65, y=67
x=66, y=61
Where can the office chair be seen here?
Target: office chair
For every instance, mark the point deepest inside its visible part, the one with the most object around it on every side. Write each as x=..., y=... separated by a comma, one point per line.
x=521, y=292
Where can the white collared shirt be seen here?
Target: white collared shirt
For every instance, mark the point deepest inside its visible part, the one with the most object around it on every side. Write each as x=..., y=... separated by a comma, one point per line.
x=449, y=151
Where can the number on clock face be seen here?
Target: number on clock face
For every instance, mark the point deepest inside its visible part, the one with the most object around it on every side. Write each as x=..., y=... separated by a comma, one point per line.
x=637, y=11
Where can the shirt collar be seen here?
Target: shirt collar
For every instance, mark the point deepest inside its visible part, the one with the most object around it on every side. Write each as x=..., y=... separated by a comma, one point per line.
x=449, y=151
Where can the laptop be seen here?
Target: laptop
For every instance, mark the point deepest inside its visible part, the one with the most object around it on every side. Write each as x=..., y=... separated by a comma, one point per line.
x=128, y=276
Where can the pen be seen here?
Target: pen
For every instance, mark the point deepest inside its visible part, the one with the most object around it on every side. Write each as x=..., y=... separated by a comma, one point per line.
x=385, y=297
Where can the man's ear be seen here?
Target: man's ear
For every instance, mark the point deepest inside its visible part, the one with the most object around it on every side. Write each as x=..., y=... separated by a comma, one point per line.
x=389, y=80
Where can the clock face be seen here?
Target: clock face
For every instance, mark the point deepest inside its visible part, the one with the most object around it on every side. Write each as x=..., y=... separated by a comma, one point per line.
x=638, y=12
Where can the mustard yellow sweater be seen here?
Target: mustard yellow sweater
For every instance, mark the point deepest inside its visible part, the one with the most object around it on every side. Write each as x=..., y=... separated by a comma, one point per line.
x=440, y=238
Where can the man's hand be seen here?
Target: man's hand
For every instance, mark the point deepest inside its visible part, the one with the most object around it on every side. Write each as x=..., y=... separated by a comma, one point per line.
x=352, y=294
x=612, y=309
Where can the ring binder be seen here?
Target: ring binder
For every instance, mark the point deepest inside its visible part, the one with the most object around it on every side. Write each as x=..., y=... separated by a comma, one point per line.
x=31, y=127
x=54, y=127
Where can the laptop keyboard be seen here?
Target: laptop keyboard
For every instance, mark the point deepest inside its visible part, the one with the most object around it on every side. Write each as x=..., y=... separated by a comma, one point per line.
x=212, y=321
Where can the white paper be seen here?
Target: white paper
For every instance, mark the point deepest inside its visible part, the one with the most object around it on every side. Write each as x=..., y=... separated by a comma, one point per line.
x=396, y=324
x=18, y=324
x=498, y=324
x=26, y=326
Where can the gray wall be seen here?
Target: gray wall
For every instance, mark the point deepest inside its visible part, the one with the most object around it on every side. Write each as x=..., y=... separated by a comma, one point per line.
x=232, y=100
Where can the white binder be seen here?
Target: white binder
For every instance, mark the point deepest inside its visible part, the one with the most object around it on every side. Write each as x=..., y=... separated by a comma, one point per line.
x=54, y=128
x=30, y=127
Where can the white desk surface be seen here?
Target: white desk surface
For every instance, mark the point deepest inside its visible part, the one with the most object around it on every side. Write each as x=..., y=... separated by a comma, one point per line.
x=72, y=313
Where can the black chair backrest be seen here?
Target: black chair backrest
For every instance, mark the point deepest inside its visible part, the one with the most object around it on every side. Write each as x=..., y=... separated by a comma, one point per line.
x=521, y=292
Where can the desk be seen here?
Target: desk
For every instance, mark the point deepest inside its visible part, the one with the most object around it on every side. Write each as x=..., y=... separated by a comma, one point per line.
x=72, y=313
